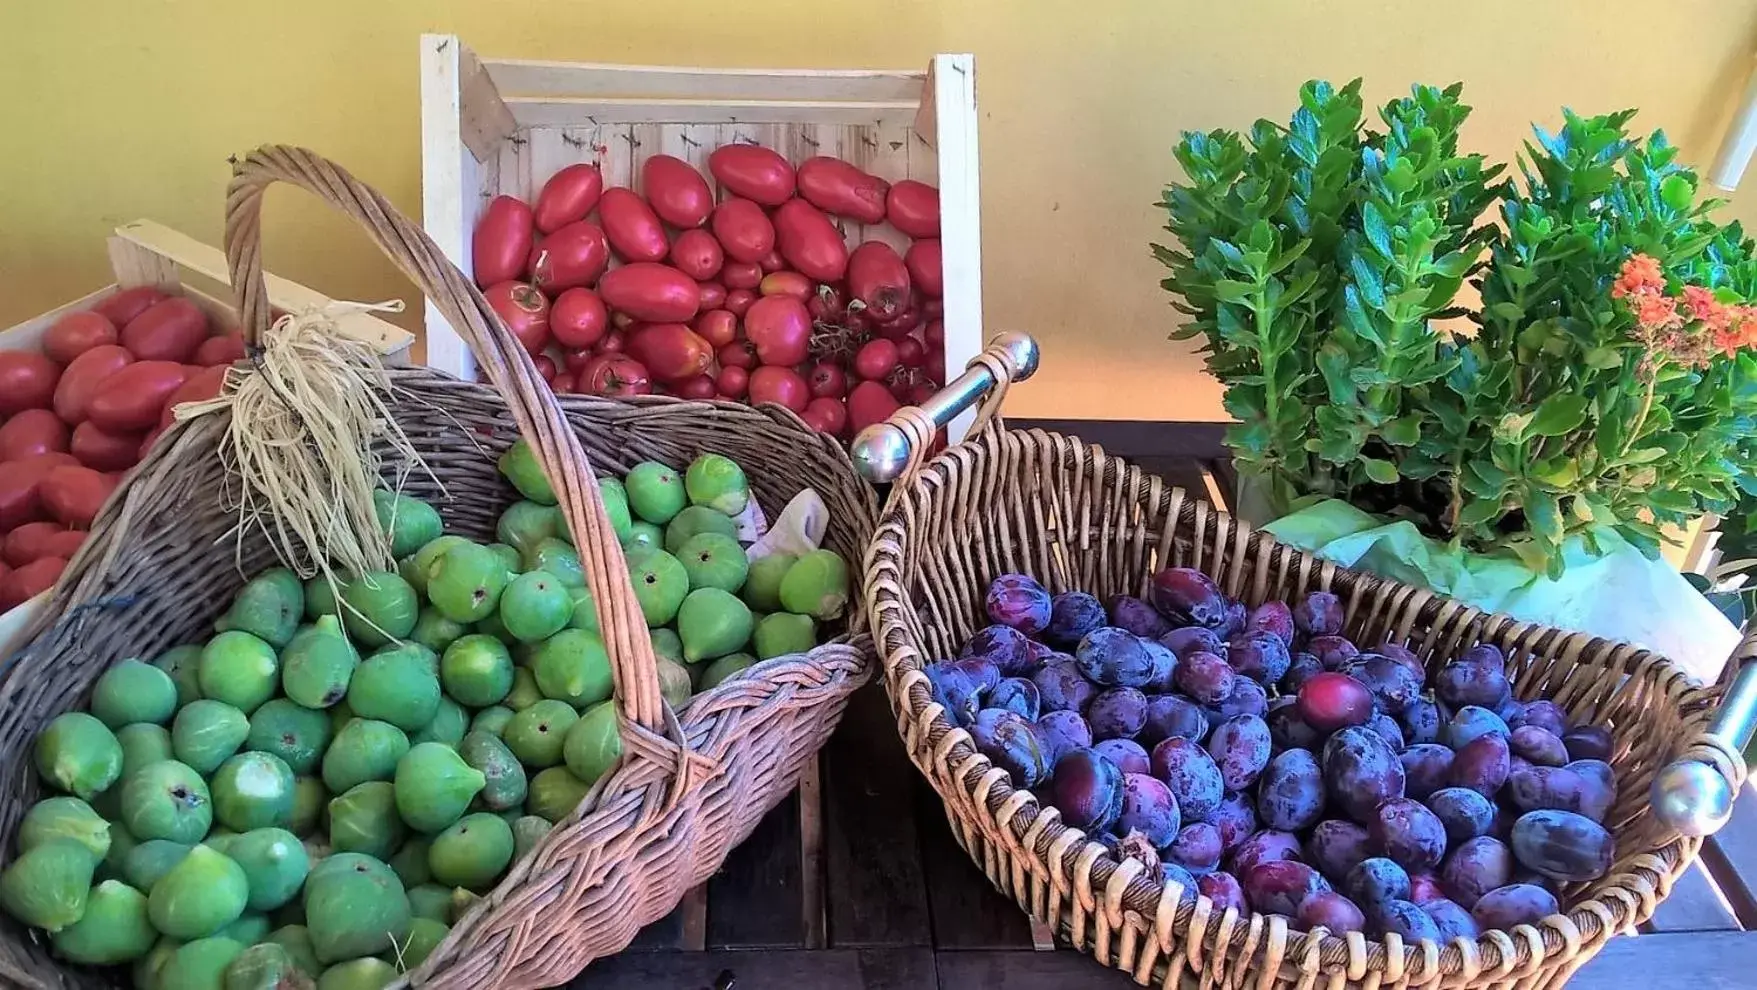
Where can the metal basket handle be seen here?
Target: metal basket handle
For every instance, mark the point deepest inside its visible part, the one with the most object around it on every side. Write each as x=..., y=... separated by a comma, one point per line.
x=1695, y=795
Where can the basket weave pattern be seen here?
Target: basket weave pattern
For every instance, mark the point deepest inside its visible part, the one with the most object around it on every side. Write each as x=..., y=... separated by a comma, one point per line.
x=1078, y=519
x=165, y=558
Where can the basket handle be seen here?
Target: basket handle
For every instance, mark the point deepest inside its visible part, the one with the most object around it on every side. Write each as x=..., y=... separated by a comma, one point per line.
x=1695, y=794
x=884, y=452
x=508, y=368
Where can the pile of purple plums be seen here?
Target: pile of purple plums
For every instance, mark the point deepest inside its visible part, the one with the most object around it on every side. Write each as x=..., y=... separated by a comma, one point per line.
x=1261, y=759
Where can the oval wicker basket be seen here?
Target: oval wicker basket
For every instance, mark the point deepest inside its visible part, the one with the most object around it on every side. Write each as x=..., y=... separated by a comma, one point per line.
x=1078, y=519
x=165, y=558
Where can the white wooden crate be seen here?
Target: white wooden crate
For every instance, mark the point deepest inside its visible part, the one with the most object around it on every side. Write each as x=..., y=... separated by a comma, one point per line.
x=504, y=126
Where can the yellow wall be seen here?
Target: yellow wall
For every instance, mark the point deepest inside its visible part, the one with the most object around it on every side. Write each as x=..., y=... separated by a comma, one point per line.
x=115, y=109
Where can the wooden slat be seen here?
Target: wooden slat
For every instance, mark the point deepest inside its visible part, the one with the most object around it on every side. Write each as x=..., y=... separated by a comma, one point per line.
x=753, y=902
x=664, y=935
x=813, y=911
x=1697, y=960
x=531, y=111
x=1026, y=970
x=1695, y=905
x=967, y=912
x=833, y=969
x=483, y=118
x=1731, y=857
x=526, y=77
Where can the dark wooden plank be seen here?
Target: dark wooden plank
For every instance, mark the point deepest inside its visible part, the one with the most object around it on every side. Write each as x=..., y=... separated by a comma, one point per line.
x=1027, y=970
x=1133, y=439
x=831, y=969
x=1695, y=905
x=967, y=912
x=754, y=901
x=813, y=911
x=1180, y=471
x=1731, y=856
x=664, y=935
x=876, y=893
x=1698, y=960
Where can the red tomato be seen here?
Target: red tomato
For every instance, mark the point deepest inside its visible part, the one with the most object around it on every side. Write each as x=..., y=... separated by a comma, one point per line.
x=914, y=208
x=199, y=387
x=899, y=328
x=713, y=295
x=753, y=172
x=20, y=483
x=695, y=253
x=810, y=242
x=827, y=380
x=744, y=230
x=923, y=261
x=869, y=403
x=127, y=304
x=738, y=354
x=738, y=301
x=574, y=255
x=81, y=379
x=699, y=387
x=786, y=284
x=826, y=304
x=933, y=307
x=826, y=416
x=878, y=278
x=834, y=186
x=576, y=358
x=875, y=359
x=633, y=228
x=732, y=382
x=741, y=276
x=614, y=342
x=65, y=543
x=545, y=367
x=170, y=330
x=618, y=377
x=30, y=541
x=921, y=392
x=656, y=293
x=934, y=334
x=910, y=353
x=567, y=197
x=578, y=318
x=131, y=399
x=102, y=450
x=677, y=191
x=31, y=432
x=152, y=437
x=27, y=381
x=782, y=385
x=524, y=310
x=76, y=333
x=74, y=495
x=227, y=348
x=563, y=383
x=772, y=262
x=780, y=328
x=718, y=327
x=30, y=581
x=501, y=243
x=671, y=351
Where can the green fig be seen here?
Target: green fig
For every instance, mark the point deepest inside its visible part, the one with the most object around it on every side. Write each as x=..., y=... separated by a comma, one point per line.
x=121, y=844
x=462, y=900
x=268, y=607
x=239, y=669
x=203, y=893
x=519, y=466
x=429, y=900
x=525, y=524
x=340, y=714
x=449, y=724
x=417, y=566
x=615, y=499
x=410, y=862
x=560, y=559
x=148, y=863
x=725, y=667
x=490, y=626
x=293, y=912
x=133, y=692
x=714, y=561
x=434, y=786
x=713, y=623
x=491, y=720
x=318, y=664
x=114, y=929
x=527, y=831
x=477, y=670
x=358, y=974
x=435, y=631
x=504, y=779
x=425, y=934
x=266, y=966
x=199, y=965
x=534, y=606
x=555, y=793
x=296, y=734
x=379, y=607
x=320, y=597
x=354, y=906
x=472, y=853
x=64, y=818
x=643, y=534
x=572, y=666
x=167, y=800
x=253, y=790
x=46, y=886
x=465, y=582
x=275, y=864
x=660, y=584
x=510, y=558
x=666, y=643
x=398, y=685
x=365, y=820
x=409, y=523
x=655, y=492
x=206, y=733
x=762, y=585
x=695, y=520
x=296, y=940
x=147, y=968
x=675, y=685
x=524, y=693
x=183, y=663
x=79, y=755
x=816, y=585
x=783, y=634
x=143, y=743
x=249, y=929
x=718, y=483
x=593, y=745
x=220, y=838
x=536, y=734
x=365, y=749
x=310, y=799
x=585, y=611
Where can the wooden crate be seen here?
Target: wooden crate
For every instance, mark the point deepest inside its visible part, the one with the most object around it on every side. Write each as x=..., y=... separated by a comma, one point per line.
x=504, y=126
x=147, y=253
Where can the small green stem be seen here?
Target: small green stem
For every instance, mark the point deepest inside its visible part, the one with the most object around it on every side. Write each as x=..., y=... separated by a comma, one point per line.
x=1641, y=417
x=1271, y=390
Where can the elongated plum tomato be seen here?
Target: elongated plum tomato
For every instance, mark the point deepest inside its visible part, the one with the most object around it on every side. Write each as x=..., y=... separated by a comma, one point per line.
x=104, y=450
x=81, y=379
x=130, y=400
x=810, y=242
x=575, y=255
x=31, y=432
x=617, y=377
x=199, y=387
x=650, y=292
x=170, y=330
x=127, y=304
x=563, y=383
x=671, y=351
x=732, y=382
x=677, y=192
x=923, y=261
x=780, y=328
x=568, y=196
x=772, y=262
x=878, y=278
x=524, y=310
x=75, y=333
x=718, y=327
x=741, y=276
x=738, y=354
x=633, y=228
x=838, y=188
x=545, y=367
x=782, y=385
x=786, y=284
x=910, y=353
x=914, y=208
x=226, y=348
x=699, y=387
x=501, y=242
x=738, y=302
x=578, y=318
x=713, y=295
x=695, y=253
x=614, y=342
x=827, y=380
x=74, y=494
x=29, y=581
x=754, y=172
x=826, y=415
x=875, y=359
x=744, y=230
x=869, y=403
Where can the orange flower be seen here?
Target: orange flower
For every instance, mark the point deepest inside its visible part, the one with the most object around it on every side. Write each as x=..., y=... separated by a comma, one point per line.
x=1700, y=302
x=1656, y=312
x=1640, y=275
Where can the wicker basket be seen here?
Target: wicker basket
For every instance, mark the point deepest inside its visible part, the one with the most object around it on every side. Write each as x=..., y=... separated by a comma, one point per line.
x=1077, y=518
x=164, y=559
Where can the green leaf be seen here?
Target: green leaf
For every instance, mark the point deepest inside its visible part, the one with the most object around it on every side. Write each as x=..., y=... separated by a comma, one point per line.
x=1643, y=455
x=1229, y=290
x=1677, y=192
x=1402, y=432
x=1559, y=414
x=1381, y=471
x=1544, y=515
x=1368, y=281
x=1603, y=359
x=1372, y=222
x=1479, y=512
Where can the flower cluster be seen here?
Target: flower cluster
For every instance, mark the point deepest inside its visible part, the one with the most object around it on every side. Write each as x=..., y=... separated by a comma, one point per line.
x=1689, y=329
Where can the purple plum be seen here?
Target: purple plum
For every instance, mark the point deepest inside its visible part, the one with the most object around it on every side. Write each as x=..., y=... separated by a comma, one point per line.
x=1017, y=600
x=1186, y=596
x=1072, y=615
x=1319, y=614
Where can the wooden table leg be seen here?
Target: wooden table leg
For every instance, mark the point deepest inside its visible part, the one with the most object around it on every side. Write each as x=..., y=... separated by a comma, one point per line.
x=694, y=908
x=811, y=853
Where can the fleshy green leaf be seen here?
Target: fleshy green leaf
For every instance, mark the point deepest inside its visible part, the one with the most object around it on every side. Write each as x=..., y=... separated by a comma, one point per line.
x=1559, y=414
x=1381, y=471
